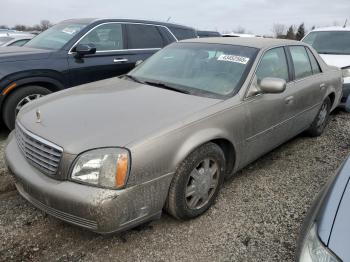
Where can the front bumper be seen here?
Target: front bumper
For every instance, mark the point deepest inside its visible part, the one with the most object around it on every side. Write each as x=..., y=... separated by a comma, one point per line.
x=99, y=210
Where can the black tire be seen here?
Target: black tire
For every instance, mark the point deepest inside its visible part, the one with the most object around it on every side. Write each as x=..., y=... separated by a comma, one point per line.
x=11, y=102
x=177, y=202
x=317, y=127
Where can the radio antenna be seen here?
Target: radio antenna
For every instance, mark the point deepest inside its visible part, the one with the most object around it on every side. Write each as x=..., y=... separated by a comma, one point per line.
x=346, y=21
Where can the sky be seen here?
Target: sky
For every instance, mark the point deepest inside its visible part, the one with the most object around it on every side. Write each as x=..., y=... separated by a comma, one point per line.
x=255, y=16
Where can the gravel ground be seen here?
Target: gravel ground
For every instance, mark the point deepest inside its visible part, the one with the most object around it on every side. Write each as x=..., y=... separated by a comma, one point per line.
x=257, y=216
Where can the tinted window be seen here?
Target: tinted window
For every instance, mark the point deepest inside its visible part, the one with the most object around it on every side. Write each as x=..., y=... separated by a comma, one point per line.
x=199, y=68
x=183, y=33
x=144, y=36
x=332, y=42
x=302, y=66
x=19, y=42
x=105, y=37
x=273, y=64
x=314, y=64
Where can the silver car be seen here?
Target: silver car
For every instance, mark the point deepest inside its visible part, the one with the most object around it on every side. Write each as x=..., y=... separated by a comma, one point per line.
x=113, y=154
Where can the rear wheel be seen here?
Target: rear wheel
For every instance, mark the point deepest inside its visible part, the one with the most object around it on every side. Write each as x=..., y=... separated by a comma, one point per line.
x=18, y=99
x=197, y=182
x=321, y=120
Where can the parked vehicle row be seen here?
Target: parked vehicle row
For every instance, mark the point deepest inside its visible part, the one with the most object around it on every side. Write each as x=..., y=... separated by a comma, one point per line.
x=75, y=52
x=167, y=134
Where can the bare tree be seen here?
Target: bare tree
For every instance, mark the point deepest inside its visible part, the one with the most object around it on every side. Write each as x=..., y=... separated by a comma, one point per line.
x=45, y=24
x=239, y=30
x=279, y=30
x=3, y=27
x=20, y=27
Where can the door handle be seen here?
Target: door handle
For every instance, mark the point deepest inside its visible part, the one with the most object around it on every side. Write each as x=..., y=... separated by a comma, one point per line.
x=289, y=99
x=120, y=60
x=322, y=86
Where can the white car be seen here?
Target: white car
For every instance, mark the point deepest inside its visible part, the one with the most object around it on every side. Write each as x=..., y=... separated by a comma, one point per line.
x=333, y=44
x=14, y=39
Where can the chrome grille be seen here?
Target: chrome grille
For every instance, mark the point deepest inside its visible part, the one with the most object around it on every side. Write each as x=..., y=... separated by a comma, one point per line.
x=40, y=153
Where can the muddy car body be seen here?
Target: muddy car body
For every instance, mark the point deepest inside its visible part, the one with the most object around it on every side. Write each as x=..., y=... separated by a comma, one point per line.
x=172, y=144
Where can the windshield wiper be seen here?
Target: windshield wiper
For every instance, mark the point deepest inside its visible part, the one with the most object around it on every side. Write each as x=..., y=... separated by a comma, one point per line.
x=133, y=79
x=166, y=86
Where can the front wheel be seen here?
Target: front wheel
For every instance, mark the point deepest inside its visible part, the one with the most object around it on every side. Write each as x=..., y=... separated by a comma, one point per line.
x=196, y=182
x=18, y=99
x=321, y=120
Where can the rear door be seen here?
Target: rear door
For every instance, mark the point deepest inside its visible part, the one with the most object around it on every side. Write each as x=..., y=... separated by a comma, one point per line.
x=143, y=40
x=309, y=88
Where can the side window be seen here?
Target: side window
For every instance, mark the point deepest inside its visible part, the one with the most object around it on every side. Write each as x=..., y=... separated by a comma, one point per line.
x=19, y=42
x=105, y=37
x=273, y=64
x=143, y=36
x=302, y=65
x=314, y=64
x=182, y=33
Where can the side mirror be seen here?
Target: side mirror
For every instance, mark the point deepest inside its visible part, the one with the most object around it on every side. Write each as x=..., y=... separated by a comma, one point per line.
x=347, y=105
x=85, y=49
x=270, y=85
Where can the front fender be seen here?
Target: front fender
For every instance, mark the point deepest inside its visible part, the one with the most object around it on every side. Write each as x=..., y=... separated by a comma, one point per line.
x=197, y=139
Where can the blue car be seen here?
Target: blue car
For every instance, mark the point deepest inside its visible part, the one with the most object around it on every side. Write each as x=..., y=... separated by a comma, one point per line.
x=325, y=235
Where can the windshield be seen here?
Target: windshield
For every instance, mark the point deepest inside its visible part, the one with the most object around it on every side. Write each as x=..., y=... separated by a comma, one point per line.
x=198, y=68
x=56, y=37
x=329, y=42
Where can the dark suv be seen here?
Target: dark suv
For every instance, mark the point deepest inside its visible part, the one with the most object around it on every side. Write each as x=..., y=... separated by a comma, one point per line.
x=75, y=52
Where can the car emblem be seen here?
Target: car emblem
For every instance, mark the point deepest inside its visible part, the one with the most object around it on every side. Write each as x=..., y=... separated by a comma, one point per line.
x=38, y=116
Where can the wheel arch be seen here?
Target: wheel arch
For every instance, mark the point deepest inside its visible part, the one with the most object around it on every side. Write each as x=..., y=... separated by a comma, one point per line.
x=204, y=136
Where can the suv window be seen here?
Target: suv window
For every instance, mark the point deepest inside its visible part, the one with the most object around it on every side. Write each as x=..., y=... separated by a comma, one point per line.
x=314, y=64
x=182, y=33
x=301, y=62
x=19, y=42
x=273, y=64
x=105, y=37
x=144, y=36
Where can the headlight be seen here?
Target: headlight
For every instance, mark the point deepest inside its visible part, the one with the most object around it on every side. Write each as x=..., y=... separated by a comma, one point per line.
x=105, y=167
x=346, y=72
x=314, y=250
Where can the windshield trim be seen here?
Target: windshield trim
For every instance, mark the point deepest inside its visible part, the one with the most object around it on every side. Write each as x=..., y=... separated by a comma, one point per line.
x=205, y=93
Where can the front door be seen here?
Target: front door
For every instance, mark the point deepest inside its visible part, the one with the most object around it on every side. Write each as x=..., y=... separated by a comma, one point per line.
x=269, y=115
x=111, y=59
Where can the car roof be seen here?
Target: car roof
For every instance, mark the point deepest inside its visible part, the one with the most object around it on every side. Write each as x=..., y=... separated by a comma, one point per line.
x=332, y=28
x=256, y=42
x=104, y=20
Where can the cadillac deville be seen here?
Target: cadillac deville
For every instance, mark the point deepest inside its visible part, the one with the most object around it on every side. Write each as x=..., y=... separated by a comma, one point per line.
x=113, y=154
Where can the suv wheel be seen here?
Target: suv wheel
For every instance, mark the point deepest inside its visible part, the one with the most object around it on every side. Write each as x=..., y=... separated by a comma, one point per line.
x=18, y=99
x=196, y=182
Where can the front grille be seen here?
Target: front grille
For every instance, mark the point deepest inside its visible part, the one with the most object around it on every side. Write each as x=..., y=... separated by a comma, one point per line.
x=40, y=153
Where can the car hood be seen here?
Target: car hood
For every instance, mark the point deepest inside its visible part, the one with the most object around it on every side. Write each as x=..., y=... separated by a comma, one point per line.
x=337, y=60
x=340, y=235
x=17, y=53
x=111, y=112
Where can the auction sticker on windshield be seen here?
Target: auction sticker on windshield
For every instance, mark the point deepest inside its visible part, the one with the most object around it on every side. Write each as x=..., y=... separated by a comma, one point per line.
x=234, y=59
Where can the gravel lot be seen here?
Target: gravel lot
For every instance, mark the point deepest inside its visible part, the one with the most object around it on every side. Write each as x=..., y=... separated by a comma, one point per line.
x=256, y=218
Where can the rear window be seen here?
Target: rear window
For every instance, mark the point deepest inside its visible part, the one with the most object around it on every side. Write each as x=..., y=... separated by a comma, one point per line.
x=329, y=42
x=183, y=33
x=144, y=36
x=302, y=65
